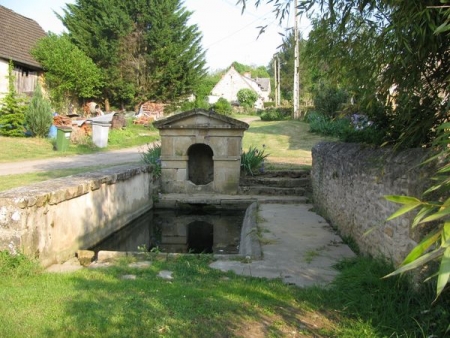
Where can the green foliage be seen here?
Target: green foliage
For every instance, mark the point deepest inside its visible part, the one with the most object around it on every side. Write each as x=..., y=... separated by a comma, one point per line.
x=38, y=116
x=198, y=103
x=69, y=73
x=253, y=160
x=143, y=54
x=222, y=106
x=260, y=71
x=12, y=117
x=247, y=97
x=17, y=265
x=153, y=156
x=275, y=114
x=329, y=100
x=436, y=245
x=343, y=129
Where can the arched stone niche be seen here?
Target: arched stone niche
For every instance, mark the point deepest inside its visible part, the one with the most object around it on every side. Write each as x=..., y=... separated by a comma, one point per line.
x=200, y=152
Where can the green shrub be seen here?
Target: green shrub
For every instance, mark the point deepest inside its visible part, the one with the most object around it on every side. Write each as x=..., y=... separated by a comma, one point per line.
x=253, y=160
x=38, y=116
x=222, y=106
x=329, y=100
x=247, y=97
x=197, y=104
x=153, y=156
x=343, y=129
x=275, y=114
x=12, y=117
x=269, y=104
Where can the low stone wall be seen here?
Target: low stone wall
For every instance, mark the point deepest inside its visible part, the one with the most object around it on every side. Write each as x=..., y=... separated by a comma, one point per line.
x=52, y=220
x=349, y=184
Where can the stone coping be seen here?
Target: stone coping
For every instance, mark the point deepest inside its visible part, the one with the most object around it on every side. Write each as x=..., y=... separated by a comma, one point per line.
x=57, y=190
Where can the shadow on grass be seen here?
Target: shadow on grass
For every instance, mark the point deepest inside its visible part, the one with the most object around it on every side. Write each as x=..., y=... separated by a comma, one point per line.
x=198, y=302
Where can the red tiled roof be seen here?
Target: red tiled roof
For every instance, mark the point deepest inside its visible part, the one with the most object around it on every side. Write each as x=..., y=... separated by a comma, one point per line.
x=18, y=35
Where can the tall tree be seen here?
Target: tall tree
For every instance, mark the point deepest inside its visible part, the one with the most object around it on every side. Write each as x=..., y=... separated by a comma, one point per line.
x=175, y=54
x=145, y=48
x=99, y=28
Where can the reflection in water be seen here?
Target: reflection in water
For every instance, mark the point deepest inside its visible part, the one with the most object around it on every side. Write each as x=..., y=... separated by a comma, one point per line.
x=179, y=231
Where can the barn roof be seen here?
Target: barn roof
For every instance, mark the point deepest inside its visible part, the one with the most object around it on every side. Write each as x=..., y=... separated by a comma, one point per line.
x=18, y=35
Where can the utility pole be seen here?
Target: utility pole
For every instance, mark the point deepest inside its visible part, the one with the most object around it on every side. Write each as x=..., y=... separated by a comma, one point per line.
x=275, y=71
x=296, y=94
x=277, y=78
x=279, y=81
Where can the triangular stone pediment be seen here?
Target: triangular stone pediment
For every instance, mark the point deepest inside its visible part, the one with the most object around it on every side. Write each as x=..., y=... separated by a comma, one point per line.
x=200, y=119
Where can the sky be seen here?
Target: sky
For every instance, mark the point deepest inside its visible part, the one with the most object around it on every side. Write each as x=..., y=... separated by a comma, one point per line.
x=228, y=35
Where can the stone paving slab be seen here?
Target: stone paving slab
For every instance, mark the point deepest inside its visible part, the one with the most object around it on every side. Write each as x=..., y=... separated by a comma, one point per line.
x=300, y=247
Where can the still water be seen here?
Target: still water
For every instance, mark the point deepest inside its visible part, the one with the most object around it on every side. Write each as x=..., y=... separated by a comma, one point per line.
x=180, y=231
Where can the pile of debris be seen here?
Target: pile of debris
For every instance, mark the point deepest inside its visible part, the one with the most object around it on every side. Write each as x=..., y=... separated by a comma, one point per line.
x=149, y=112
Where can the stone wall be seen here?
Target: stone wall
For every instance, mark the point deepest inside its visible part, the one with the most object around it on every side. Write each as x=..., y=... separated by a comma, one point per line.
x=349, y=184
x=53, y=219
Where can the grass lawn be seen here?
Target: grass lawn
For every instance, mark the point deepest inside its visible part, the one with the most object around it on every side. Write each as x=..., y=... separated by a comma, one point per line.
x=203, y=302
x=288, y=143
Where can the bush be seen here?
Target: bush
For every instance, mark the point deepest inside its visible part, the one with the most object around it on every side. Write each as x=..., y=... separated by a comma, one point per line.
x=222, y=106
x=328, y=100
x=278, y=114
x=153, y=156
x=253, y=160
x=343, y=129
x=38, y=116
x=198, y=103
x=247, y=97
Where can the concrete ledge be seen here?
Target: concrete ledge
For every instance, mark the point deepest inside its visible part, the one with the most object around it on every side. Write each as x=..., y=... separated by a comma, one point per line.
x=52, y=220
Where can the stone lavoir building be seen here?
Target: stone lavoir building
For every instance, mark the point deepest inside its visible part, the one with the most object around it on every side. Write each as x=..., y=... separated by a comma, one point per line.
x=200, y=152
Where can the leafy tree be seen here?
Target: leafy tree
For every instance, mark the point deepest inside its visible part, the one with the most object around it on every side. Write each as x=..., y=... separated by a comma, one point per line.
x=247, y=97
x=258, y=72
x=70, y=74
x=145, y=48
x=12, y=118
x=387, y=52
x=38, y=115
x=99, y=29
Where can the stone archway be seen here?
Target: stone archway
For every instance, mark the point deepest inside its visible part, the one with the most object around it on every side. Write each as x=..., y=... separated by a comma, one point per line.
x=200, y=164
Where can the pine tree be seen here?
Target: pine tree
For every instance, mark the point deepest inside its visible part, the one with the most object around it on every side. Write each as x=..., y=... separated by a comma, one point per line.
x=12, y=118
x=145, y=48
x=39, y=114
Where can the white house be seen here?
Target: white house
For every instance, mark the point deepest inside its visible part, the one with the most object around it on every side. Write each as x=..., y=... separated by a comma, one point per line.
x=232, y=82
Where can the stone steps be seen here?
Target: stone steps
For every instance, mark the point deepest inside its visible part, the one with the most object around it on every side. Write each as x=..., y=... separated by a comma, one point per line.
x=277, y=183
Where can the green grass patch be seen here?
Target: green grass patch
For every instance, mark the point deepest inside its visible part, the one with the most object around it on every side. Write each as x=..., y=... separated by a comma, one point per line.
x=289, y=143
x=203, y=302
x=20, y=149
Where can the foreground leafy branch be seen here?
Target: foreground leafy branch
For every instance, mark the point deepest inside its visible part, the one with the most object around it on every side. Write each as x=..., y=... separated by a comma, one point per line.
x=436, y=245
